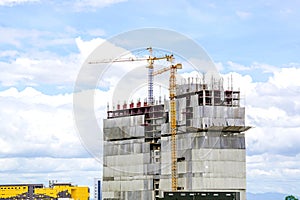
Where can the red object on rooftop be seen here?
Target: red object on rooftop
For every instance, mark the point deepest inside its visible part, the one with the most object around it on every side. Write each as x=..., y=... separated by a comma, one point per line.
x=131, y=105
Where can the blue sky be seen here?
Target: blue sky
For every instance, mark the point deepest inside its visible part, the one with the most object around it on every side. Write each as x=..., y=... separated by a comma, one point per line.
x=44, y=43
x=264, y=31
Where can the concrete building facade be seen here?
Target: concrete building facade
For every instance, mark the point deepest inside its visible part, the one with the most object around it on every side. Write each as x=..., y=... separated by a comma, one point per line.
x=210, y=147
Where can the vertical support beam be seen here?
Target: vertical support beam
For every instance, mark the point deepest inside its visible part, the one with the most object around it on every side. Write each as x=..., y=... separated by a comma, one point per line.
x=150, y=84
x=173, y=124
x=150, y=77
x=172, y=90
x=173, y=127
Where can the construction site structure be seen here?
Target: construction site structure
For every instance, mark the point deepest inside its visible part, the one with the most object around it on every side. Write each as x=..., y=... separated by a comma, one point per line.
x=209, y=141
x=55, y=191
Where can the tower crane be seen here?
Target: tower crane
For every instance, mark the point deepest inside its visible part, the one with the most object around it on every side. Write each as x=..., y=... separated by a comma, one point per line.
x=150, y=67
x=172, y=93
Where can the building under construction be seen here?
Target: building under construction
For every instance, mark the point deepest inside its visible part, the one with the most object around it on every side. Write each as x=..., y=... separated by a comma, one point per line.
x=210, y=147
x=191, y=146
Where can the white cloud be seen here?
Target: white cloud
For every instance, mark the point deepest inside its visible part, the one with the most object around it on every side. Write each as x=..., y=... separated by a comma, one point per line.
x=274, y=140
x=25, y=39
x=276, y=173
x=272, y=108
x=244, y=83
x=47, y=164
x=9, y=53
x=87, y=47
x=243, y=14
x=96, y=32
x=219, y=66
x=15, y=2
x=264, y=67
x=35, y=71
x=236, y=67
x=38, y=68
x=36, y=128
x=35, y=124
x=286, y=11
x=14, y=36
x=45, y=69
x=287, y=78
x=39, y=142
x=84, y=5
x=78, y=171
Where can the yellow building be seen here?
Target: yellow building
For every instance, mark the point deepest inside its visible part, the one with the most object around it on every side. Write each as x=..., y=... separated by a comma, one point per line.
x=38, y=192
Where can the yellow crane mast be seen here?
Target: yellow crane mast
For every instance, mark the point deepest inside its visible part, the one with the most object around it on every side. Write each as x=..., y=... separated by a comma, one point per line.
x=172, y=92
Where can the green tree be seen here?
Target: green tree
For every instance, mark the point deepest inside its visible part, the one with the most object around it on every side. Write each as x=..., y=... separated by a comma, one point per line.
x=291, y=197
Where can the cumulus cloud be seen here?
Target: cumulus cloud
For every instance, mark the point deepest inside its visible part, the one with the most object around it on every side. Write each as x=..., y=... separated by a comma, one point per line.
x=244, y=83
x=93, y=4
x=286, y=78
x=96, y=32
x=8, y=53
x=38, y=128
x=272, y=108
x=79, y=171
x=87, y=47
x=39, y=141
x=275, y=172
x=35, y=124
x=29, y=39
x=44, y=68
x=236, y=67
x=36, y=71
x=15, y=2
x=14, y=36
x=243, y=14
